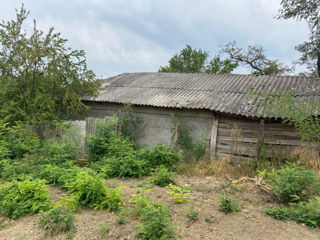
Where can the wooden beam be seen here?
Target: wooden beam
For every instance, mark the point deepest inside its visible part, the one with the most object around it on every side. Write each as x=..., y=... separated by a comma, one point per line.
x=176, y=135
x=259, y=142
x=214, y=135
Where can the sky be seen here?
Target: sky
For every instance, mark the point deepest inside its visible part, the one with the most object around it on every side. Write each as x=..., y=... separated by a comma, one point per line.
x=141, y=35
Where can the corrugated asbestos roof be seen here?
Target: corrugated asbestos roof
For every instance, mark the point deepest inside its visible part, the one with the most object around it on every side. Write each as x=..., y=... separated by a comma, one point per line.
x=226, y=93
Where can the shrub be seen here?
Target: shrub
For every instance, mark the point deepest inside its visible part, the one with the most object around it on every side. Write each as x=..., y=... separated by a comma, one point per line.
x=294, y=183
x=57, y=220
x=116, y=156
x=128, y=122
x=156, y=222
x=91, y=190
x=228, y=204
x=306, y=213
x=180, y=194
x=162, y=177
x=18, y=141
x=141, y=201
x=50, y=173
x=16, y=169
x=26, y=197
x=161, y=154
x=97, y=145
x=55, y=152
x=126, y=166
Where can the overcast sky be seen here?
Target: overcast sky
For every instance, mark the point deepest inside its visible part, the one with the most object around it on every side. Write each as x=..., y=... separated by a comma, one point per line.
x=141, y=35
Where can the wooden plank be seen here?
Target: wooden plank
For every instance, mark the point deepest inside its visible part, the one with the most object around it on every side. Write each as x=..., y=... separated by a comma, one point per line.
x=214, y=135
x=260, y=142
x=285, y=142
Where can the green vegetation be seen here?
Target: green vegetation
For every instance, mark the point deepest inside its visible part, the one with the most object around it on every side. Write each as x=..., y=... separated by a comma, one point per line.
x=229, y=204
x=25, y=197
x=293, y=183
x=155, y=217
x=104, y=230
x=179, y=194
x=196, y=61
x=162, y=177
x=41, y=78
x=192, y=150
x=192, y=213
x=307, y=213
x=57, y=220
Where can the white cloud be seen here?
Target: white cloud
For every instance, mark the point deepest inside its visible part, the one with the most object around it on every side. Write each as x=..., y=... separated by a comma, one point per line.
x=140, y=35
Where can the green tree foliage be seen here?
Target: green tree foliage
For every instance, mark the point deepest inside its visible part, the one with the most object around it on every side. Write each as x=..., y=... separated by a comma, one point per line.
x=301, y=114
x=307, y=10
x=301, y=10
x=41, y=78
x=191, y=60
x=254, y=58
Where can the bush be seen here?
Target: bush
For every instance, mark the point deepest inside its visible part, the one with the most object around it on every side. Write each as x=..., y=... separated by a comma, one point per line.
x=294, y=183
x=20, y=198
x=18, y=141
x=97, y=146
x=162, y=177
x=55, y=152
x=228, y=204
x=306, y=213
x=57, y=220
x=50, y=173
x=126, y=166
x=11, y=170
x=115, y=156
x=156, y=222
x=91, y=190
x=161, y=155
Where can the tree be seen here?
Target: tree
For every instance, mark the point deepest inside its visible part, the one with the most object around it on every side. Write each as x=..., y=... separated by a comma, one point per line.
x=196, y=61
x=307, y=10
x=255, y=58
x=40, y=78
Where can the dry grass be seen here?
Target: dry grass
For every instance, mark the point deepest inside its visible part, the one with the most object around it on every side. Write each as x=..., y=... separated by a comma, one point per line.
x=309, y=157
x=216, y=167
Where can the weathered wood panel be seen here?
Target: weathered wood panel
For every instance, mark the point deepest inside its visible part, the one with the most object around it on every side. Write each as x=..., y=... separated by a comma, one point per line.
x=239, y=137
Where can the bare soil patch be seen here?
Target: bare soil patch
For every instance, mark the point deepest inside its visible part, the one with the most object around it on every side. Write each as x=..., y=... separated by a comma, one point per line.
x=250, y=223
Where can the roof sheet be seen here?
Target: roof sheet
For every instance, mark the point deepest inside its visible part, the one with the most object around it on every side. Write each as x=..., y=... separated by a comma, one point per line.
x=226, y=93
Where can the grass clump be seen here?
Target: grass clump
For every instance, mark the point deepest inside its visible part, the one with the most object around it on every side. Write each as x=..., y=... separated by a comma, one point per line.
x=229, y=204
x=57, y=220
x=163, y=177
x=25, y=197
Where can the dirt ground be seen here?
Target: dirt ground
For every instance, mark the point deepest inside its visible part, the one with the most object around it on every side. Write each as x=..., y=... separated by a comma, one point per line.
x=250, y=223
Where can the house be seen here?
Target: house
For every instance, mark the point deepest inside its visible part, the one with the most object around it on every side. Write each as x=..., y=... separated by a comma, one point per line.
x=214, y=105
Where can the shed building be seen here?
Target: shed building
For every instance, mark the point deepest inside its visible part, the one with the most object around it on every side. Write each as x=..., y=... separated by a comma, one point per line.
x=213, y=105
